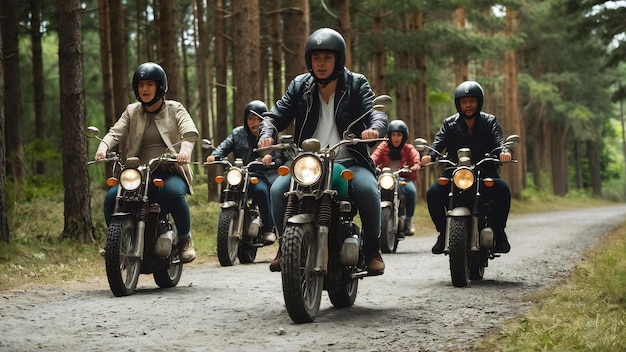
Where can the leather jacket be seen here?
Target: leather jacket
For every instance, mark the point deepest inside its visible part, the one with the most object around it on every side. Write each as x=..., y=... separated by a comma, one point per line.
x=486, y=137
x=301, y=102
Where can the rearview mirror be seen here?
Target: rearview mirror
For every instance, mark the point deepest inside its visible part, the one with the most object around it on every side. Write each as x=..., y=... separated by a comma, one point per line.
x=382, y=102
x=420, y=144
x=92, y=132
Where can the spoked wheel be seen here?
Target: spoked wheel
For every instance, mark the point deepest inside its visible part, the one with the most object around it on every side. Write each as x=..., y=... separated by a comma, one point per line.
x=122, y=267
x=227, y=239
x=247, y=252
x=344, y=293
x=388, y=241
x=459, y=262
x=171, y=268
x=302, y=287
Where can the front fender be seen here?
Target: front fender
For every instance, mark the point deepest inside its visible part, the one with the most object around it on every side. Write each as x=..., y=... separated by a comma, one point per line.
x=459, y=212
x=386, y=204
x=228, y=204
x=301, y=219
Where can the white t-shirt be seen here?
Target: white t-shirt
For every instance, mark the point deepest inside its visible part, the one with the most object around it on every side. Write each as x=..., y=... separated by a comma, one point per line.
x=326, y=131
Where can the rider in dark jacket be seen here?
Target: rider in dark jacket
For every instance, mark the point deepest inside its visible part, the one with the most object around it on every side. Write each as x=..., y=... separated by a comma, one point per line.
x=481, y=132
x=345, y=97
x=241, y=142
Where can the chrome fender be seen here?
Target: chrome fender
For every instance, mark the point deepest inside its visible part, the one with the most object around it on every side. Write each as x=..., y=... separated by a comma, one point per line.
x=386, y=204
x=301, y=219
x=459, y=212
x=228, y=204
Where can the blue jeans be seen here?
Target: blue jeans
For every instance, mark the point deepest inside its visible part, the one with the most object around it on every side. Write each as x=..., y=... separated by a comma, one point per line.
x=171, y=198
x=410, y=196
x=365, y=195
x=261, y=195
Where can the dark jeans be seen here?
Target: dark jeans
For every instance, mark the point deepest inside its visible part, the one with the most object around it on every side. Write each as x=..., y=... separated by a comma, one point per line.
x=261, y=195
x=437, y=197
x=171, y=198
x=410, y=197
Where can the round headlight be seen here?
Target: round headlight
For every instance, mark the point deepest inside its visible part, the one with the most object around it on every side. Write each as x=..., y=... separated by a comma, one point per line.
x=463, y=178
x=234, y=177
x=130, y=179
x=307, y=170
x=386, y=181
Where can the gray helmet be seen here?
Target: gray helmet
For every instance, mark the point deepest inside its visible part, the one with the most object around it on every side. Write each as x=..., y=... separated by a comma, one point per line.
x=326, y=39
x=469, y=89
x=398, y=126
x=257, y=106
x=150, y=71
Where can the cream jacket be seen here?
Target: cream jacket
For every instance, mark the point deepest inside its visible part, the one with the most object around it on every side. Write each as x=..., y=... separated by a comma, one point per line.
x=173, y=122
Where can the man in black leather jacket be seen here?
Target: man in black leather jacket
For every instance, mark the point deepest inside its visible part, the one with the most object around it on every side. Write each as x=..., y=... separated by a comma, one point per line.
x=323, y=103
x=481, y=132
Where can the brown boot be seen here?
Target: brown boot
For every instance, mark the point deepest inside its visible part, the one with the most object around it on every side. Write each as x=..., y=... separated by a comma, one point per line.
x=375, y=264
x=275, y=264
x=187, y=252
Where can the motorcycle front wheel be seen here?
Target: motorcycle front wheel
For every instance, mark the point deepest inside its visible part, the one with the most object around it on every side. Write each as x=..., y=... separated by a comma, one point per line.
x=227, y=241
x=171, y=268
x=459, y=263
x=388, y=240
x=122, y=267
x=302, y=287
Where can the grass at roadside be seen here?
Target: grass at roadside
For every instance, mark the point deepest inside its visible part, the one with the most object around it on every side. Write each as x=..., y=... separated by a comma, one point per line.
x=587, y=312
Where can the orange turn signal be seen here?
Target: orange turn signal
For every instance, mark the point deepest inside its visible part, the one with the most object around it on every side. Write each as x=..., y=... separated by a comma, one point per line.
x=254, y=180
x=489, y=182
x=158, y=182
x=283, y=170
x=403, y=183
x=219, y=179
x=443, y=181
x=111, y=181
x=347, y=174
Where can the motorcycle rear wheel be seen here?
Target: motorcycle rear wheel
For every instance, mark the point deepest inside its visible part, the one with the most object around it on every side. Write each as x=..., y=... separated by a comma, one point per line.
x=122, y=268
x=302, y=287
x=227, y=241
x=388, y=239
x=459, y=262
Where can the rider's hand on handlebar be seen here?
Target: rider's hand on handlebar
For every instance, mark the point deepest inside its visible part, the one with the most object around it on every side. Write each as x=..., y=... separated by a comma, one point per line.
x=266, y=142
x=101, y=153
x=210, y=159
x=185, y=152
x=415, y=168
x=426, y=159
x=267, y=160
x=505, y=157
x=369, y=134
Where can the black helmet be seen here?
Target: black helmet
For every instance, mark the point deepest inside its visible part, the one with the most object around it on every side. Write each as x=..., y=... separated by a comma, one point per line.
x=469, y=89
x=326, y=39
x=398, y=126
x=257, y=106
x=151, y=71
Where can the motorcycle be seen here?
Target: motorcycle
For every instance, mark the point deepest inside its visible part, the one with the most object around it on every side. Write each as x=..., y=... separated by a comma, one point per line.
x=392, y=208
x=239, y=227
x=321, y=245
x=469, y=239
x=140, y=238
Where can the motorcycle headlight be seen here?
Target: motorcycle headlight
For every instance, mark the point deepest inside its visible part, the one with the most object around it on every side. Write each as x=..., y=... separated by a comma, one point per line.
x=307, y=170
x=234, y=177
x=386, y=181
x=130, y=179
x=464, y=178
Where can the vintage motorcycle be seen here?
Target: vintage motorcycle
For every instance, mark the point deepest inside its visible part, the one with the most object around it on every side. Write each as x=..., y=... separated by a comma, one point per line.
x=469, y=239
x=140, y=238
x=239, y=228
x=392, y=208
x=321, y=245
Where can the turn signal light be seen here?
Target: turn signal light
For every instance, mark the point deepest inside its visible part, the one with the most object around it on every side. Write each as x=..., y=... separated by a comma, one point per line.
x=443, y=181
x=219, y=179
x=489, y=182
x=283, y=170
x=158, y=182
x=254, y=180
x=347, y=174
x=111, y=181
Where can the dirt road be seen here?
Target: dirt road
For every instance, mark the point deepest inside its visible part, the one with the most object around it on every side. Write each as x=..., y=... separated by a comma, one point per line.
x=413, y=307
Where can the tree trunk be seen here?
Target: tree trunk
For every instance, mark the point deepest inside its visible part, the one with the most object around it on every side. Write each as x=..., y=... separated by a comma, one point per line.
x=106, y=68
x=277, y=53
x=343, y=7
x=221, y=74
x=14, y=139
x=593, y=154
x=168, y=49
x=560, y=176
x=119, y=55
x=77, y=207
x=38, y=80
x=4, y=220
x=246, y=56
x=296, y=30
x=378, y=78
x=460, y=68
